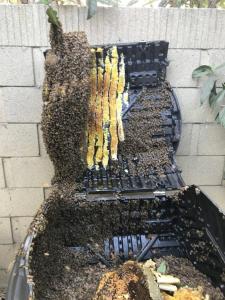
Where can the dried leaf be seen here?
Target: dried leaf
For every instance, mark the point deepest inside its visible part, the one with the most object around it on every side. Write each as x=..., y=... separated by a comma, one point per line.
x=153, y=287
x=162, y=267
x=92, y=8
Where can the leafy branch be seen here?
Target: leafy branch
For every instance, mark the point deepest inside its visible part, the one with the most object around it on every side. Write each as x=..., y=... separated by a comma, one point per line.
x=91, y=4
x=51, y=13
x=216, y=100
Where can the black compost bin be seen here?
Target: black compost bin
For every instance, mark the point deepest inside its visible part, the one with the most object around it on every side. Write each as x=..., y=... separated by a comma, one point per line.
x=147, y=220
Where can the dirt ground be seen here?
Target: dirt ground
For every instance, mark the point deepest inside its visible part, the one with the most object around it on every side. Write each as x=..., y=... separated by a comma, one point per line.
x=190, y=276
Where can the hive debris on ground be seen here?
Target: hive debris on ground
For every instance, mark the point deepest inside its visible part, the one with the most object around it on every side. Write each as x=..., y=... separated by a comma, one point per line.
x=126, y=283
x=134, y=281
x=190, y=276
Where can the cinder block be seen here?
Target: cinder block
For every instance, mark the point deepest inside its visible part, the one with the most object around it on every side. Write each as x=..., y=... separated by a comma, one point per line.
x=213, y=57
x=5, y=203
x=20, y=202
x=189, y=140
x=21, y=104
x=191, y=110
x=3, y=117
x=28, y=172
x=38, y=54
x=182, y=63
x=223, y=182
x=7, y=255
x=5, y=231
x=216, y=194
x=201, y=170
x=18, y=140
x=205, y=58
x=211, y=140
x=2, y=179
x=20, y=226
x=16, y=66
x=4, y=276
x=184, y=28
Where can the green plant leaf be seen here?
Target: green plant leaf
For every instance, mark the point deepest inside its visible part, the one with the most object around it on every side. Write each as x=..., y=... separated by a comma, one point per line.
x=220, y=118
x=132, y=2
x=179, y=3
x=162, y=267
x=207, y=88
x=46, y=2
x=52, y=16
x=92, y=8
x=212, y=99
x=218, y=98
x=110, y=2
x=201, y=71
x=212, y=94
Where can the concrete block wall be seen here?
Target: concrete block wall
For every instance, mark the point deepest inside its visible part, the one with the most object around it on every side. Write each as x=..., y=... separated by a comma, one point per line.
x=196, y=37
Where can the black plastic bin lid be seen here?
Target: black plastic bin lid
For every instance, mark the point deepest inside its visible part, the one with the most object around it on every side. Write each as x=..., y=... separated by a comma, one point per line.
x=145, y=66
